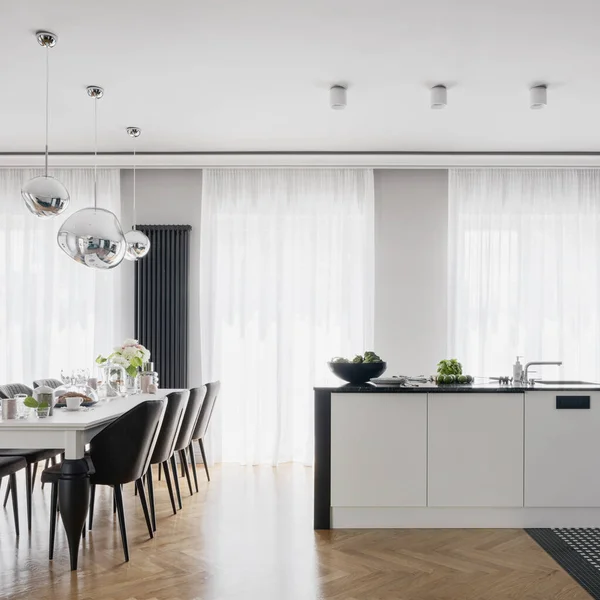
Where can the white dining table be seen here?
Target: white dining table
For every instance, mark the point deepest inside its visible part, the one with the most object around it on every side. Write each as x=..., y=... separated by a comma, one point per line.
x=71, y=430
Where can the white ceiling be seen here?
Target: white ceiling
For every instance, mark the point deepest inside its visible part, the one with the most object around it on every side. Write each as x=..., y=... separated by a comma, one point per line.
x=246, y=75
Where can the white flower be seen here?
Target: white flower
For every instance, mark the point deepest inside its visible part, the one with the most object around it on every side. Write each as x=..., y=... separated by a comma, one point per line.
x=130, y=342
x=118, y=349
x=146, y=355
x=119, y=360
x=130, y=352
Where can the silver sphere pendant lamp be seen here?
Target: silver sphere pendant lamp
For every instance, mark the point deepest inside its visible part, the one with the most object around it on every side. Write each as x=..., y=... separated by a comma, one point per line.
x=93, y=236
x=45, y=196
x=138, y=244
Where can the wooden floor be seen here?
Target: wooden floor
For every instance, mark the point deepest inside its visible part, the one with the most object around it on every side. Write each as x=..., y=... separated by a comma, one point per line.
x=248, y=535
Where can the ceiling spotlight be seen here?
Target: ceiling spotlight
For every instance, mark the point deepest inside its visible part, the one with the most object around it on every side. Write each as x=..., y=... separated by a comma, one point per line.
x=439, y=97
x=538, y=97
x=337, y=97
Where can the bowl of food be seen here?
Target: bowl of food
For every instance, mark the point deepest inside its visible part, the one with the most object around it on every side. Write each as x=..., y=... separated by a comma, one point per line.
x=360, y=369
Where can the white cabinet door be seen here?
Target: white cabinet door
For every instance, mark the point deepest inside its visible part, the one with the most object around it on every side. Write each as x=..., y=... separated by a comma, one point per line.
x=475, y=449
x=378, y=449
x=562, y=451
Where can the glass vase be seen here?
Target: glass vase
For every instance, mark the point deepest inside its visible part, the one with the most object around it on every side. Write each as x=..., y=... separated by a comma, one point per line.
x=133, y=384
x=114, y=381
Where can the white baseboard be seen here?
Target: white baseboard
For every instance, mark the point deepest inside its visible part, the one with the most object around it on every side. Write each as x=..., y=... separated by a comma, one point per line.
x=407, y=518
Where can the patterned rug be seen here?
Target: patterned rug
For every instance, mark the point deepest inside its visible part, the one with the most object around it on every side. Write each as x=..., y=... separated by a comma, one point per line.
x=577, y=551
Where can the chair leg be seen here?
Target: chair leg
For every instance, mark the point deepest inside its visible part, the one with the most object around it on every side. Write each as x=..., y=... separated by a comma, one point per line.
x=28, y=486
x=169, y=486
x=193, y=463
x=114, y=504
x=139, y=484
x=121, y=515
x=92, y=503
x=181, y=468
x=150, y=486
x=186, y=470
x=7, y=493
x=201, y=444
x=12, y=486
x=46, y=464
x=35, y=468
x=159, y=471
x=176, y=479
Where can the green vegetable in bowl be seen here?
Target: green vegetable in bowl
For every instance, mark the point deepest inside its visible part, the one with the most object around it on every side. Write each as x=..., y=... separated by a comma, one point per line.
x=371, y=357
x=368, y=357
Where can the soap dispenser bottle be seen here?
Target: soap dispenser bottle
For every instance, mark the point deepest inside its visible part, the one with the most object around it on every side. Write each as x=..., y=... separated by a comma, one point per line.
x=517, y=371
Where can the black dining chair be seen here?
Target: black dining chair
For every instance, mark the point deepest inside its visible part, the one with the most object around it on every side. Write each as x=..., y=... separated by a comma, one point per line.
x=51, y=383
x=33, y=457
x=9, y=466
x=184, y=439
x=164, y=451
x=119, y=454
x=212, y=393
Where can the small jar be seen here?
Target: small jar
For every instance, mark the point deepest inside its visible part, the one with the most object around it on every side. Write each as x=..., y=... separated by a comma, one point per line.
x=149, y=379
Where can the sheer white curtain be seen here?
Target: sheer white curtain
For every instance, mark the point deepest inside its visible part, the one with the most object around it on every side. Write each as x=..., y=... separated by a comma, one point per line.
x=524, y=269
x=54, y=313
x=286, y=283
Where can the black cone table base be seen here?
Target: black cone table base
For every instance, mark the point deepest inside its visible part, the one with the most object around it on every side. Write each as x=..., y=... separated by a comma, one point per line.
x=73, y=499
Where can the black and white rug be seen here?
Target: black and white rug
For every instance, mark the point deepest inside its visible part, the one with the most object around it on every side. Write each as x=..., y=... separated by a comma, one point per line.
x=577, y=551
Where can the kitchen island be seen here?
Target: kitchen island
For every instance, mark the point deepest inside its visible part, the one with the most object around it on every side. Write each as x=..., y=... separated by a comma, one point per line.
x=457, y=456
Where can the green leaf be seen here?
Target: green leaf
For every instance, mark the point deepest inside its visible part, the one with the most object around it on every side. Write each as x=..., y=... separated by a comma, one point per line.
x=131, y=371
x=136, y=361
x=43, y=405
x=30, y=402
x=100, y=360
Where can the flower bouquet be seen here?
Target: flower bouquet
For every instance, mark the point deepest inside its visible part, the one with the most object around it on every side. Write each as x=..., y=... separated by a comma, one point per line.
x=131, y=356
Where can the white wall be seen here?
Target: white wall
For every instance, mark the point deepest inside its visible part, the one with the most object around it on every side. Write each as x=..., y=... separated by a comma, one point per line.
x=170, y=197
x=411, y=223
x=411, y=220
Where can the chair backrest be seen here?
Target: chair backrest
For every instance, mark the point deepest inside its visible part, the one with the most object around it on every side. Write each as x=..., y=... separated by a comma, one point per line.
x=8, y=390
x=53, y=383
x=171, y=425
x=190, y=418
x=212, y=392
x=121, y=451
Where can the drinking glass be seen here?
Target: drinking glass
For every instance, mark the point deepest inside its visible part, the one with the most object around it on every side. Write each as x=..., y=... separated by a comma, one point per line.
x=22, y=410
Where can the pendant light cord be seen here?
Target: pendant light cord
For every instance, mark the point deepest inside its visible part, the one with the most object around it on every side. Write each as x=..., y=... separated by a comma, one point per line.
x=95, y=152
x=47, y=95
x=134, y=164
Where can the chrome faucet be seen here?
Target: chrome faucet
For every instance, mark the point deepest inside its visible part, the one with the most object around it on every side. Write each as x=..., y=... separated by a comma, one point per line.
x=558, y=363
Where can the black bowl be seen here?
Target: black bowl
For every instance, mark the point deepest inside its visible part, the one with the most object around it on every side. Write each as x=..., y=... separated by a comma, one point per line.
x=357, y=372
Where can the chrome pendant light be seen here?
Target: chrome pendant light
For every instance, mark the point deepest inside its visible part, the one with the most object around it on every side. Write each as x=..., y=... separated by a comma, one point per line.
x=138, y=244
x=45, y=196
x=93, y=236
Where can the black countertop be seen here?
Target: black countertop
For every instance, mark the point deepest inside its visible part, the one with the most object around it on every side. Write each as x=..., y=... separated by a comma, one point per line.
x=478, y=388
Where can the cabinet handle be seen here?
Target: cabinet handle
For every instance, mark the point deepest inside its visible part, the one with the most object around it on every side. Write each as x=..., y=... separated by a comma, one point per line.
x=573, y=402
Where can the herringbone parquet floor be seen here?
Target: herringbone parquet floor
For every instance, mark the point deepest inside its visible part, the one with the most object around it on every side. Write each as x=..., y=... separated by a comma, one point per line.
x=248, y=536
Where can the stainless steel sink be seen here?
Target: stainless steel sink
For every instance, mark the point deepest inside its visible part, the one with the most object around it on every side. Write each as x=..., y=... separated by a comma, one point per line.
x=565, y=382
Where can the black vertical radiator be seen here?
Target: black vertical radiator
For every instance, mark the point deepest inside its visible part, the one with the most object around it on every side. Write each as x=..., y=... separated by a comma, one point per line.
x=161, y=301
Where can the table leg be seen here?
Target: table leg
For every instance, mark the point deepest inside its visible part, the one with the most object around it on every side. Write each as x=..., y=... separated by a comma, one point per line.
x=73, y=499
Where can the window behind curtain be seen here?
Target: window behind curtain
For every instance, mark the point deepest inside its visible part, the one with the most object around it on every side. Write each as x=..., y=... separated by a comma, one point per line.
x=54, y=313
x=286, y=272
x=524, y=269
